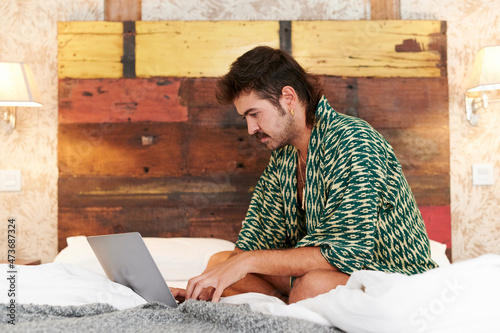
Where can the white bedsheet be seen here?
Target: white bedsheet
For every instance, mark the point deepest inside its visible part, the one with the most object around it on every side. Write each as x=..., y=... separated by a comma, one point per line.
x=64, y=284
x=463, y=297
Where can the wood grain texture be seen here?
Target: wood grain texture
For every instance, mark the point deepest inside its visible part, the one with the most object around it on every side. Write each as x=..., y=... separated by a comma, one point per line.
x=198, y=49
x=116, y=149
x=371, y=48
x=90, y=49
x=421, y=150
x=149, y=221
x=220, y=222
x=120, y=100
x=122, y=10
x=430, y=190
x=385, y=9
x=390, y=102
x=197, y=175
x=221, y=188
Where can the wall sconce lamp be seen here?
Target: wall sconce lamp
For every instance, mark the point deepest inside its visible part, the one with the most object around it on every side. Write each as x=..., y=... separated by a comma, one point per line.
x=484, y=80
x=17, y=88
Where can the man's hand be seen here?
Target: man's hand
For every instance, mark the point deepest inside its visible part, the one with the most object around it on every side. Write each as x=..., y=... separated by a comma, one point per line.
x=217, y=278
x=180, y=294
x=279, y=263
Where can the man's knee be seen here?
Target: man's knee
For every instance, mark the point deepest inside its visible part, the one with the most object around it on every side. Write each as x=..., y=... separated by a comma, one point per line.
x=315, y=283
x=218, y=257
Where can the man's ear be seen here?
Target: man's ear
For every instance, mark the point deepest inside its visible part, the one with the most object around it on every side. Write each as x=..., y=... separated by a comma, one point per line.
x=289, y=97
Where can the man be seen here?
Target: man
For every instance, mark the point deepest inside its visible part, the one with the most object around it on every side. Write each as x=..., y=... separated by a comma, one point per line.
x=332, y=200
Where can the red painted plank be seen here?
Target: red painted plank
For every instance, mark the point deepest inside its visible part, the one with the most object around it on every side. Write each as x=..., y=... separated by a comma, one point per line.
x=438, y=223
x=120, y=100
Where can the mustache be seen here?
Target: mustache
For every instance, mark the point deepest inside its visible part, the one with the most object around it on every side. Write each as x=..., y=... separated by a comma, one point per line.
x=260, y=135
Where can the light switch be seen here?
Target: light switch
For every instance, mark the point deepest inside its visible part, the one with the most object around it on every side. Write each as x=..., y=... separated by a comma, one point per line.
x=10, y=180
x=482, y=174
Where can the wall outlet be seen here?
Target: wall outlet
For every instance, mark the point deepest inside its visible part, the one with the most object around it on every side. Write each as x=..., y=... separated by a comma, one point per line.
x=482, y=174
x=10, y=180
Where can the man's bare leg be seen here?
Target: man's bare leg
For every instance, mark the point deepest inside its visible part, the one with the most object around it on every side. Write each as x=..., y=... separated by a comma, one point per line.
x=316, y=283
x=307, y=286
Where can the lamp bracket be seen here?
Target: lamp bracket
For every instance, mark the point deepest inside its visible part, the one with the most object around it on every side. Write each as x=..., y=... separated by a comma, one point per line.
x=8, y=118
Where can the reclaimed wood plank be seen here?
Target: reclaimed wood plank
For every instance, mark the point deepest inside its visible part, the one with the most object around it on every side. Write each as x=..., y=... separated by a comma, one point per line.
x=421, y=150
x=122, y=10
x=226, y=150
x=199, y=92
x=215, y=229
x=197, y=49
x=149, y=221
x=87, y=27
x=90, y=49
x=371, y=48
x=385, y=9
x=404, y=102
x=430, y=190
x=177, y=149
x=390, y=102
x=117, y=149
x=220, y=117
x=438, y=223
x=217, y=189
x=120, y=100
x=220, y=221
x=128, y=59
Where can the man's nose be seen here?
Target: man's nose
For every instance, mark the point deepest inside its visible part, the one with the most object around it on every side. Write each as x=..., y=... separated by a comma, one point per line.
x=253, y=127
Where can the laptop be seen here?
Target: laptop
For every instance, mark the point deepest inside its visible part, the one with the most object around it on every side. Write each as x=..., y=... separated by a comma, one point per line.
x=126, y=260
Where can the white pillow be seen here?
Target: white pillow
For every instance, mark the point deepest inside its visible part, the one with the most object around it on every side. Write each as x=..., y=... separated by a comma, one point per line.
x=178, y=258
x=438, y=253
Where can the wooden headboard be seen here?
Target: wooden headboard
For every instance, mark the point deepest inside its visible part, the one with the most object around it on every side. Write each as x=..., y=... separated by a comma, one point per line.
x=144, y=145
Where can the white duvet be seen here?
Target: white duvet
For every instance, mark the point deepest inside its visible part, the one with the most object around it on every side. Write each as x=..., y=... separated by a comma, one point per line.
x=463, y=297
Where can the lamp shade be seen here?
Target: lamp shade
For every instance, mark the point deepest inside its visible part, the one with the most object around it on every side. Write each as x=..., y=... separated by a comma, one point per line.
x=17, y=85
x=485, y=74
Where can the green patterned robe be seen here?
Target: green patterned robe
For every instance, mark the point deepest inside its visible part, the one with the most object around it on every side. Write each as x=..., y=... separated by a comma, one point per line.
x=359, y=208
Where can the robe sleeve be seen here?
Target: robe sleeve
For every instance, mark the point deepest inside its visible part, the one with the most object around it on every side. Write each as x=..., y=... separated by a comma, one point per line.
x=263, y=227
x=355, y=172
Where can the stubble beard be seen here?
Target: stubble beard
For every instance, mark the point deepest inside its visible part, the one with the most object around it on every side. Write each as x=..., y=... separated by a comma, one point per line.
x=282, y=138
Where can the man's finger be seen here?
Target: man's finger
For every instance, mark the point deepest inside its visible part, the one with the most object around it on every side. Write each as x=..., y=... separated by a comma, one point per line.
x=198, y=289
x=217, y=294
x=179, y=294
x=190, y=287
x=206, y=294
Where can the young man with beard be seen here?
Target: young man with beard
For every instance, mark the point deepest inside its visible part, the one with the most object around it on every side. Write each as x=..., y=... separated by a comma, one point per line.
x=332, y=200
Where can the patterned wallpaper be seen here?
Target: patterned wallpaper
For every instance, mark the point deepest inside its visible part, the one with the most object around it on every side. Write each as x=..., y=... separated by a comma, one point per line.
x=28, y=33
x=475, y=210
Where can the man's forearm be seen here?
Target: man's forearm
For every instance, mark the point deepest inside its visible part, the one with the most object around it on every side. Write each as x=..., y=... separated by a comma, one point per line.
x=289, y=262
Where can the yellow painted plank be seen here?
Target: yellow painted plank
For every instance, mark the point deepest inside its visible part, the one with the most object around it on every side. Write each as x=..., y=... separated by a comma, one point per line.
x=90, y=50
x=371, y=48
x=195, y=49
x=86, y=27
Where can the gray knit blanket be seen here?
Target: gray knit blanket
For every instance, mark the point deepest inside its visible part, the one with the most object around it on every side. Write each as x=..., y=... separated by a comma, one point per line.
x=190, y=316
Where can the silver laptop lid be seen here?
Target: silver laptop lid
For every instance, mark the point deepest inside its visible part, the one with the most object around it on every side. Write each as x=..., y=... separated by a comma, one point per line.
x=126, y=260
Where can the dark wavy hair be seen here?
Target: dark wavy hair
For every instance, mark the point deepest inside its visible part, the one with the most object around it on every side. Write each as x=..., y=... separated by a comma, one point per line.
x=266, y=71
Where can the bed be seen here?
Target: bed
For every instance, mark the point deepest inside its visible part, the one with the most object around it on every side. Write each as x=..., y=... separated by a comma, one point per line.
x=73, y=294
